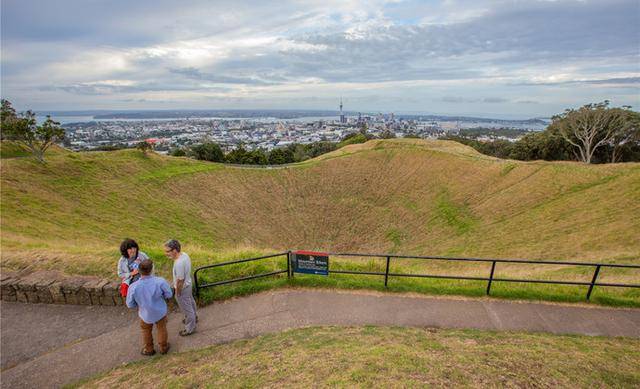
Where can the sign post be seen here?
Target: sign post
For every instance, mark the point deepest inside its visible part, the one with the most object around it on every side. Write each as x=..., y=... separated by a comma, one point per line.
x=311, y=262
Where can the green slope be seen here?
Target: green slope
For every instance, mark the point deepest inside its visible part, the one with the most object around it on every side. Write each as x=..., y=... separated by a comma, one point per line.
x=405, y=196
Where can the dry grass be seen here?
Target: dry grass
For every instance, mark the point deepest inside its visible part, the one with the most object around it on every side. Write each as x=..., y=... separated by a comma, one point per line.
x=392, y=357
x=403, y=196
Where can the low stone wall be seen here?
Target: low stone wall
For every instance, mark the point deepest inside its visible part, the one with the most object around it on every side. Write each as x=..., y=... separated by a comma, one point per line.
x=50, y=287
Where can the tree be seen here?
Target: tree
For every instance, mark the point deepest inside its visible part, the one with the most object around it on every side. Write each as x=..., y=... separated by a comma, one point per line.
x=627, y=136
x=387, y=134
x=256, y=157
x=7, y=117
x=589, y=128
x=277, y=157
x=178, y=152
x=208, y=151
x=548, y=145
x=144, y=146
x=24, y=129
x=238, y=155
x=318, y=148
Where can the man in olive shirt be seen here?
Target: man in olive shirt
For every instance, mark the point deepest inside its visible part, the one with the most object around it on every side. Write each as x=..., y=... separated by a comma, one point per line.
x=182, y=284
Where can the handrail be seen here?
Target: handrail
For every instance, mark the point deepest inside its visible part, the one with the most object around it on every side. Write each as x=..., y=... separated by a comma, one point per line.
x=195, y=273
x=593, y=283
x=498, y=260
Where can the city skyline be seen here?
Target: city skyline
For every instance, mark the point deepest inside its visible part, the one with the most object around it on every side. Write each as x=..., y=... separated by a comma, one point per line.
x=490, y=58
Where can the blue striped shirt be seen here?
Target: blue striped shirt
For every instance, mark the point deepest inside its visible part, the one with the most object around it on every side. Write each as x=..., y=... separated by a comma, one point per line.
x=149, y=294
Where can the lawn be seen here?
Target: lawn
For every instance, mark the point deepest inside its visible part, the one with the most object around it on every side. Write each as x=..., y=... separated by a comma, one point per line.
x=391, y=357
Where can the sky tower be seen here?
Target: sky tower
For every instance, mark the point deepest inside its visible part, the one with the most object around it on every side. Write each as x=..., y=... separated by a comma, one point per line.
x=342, y=118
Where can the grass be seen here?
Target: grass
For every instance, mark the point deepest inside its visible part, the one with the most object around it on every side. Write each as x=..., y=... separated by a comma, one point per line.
x=456, y=216
x=391, y=357
x=403, y=196
x=622, y=297
x=12, y=150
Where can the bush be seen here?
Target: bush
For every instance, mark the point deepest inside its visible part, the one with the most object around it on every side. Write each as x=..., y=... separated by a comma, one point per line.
x=387, y=134
x=280, y=156
x=144, y=147
x=178, y=152
x=545, y=145
x=208, y=151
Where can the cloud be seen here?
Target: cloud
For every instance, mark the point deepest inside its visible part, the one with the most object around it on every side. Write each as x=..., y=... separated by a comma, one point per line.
x=405, y=53
x=494, y=100
x=101, y=88
x=486, y=100
x=195, y=74
x=619, y=81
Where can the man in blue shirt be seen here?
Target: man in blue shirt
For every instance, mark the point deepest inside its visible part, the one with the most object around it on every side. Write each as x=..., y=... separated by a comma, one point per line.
x=149, y=294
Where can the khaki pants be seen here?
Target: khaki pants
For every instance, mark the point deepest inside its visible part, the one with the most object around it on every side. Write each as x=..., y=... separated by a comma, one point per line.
x=147, y=335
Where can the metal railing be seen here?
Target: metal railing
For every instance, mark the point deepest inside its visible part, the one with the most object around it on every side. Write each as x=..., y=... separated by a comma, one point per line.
x=208, y=285
x=387, y=273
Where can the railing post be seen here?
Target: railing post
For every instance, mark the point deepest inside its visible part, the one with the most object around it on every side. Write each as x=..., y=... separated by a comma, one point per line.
x=195, y=281
x=493, y=268
x=290, y=256
x=289, y=264
x=593, y=281
x=386, y=273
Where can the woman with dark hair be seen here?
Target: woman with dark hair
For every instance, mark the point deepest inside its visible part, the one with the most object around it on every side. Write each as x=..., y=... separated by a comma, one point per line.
x=128, y=264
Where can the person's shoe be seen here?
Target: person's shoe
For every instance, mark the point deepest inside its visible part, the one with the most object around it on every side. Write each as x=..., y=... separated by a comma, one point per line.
x=185, y=333
x=166, y=350
x=147, y=353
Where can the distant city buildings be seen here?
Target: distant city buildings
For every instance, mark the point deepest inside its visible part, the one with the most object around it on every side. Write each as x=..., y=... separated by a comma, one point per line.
x=267, y=133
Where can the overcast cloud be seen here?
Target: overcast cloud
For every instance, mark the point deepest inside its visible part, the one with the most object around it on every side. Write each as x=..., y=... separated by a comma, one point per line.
x=513, y=58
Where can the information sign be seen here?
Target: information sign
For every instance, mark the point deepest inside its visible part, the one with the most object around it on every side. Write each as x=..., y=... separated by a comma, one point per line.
x=310, y=262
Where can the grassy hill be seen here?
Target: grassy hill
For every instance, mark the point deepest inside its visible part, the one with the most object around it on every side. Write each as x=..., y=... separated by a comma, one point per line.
x=391, y=357
x=403, y=196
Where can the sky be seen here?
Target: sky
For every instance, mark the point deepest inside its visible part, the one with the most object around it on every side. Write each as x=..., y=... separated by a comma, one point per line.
x=503, y=58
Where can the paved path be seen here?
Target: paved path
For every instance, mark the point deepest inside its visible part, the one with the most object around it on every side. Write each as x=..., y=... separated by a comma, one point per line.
x=106, y=338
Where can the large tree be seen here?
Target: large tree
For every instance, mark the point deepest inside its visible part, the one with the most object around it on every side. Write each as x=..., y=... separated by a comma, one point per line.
x=593, y=126
x=24, y=129
x=7, y=116
x=627, y=136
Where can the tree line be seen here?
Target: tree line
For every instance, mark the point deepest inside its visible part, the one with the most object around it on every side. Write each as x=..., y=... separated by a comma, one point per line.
x=295, y=152
x=593, y=133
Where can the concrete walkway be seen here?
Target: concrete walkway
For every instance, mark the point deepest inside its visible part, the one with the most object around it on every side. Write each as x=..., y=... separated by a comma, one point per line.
x=82, y=341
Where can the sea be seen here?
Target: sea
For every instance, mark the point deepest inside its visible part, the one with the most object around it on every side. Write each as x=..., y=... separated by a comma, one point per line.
x=63, y=119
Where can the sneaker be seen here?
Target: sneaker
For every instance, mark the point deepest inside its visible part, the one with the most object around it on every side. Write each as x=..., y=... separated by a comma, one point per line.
x=185, y=333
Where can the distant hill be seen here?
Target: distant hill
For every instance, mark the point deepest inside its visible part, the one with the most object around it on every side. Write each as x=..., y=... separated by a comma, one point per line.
x=404, y=195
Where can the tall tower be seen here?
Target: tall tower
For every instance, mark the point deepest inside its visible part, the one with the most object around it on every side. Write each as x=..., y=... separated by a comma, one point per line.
x=342, y=118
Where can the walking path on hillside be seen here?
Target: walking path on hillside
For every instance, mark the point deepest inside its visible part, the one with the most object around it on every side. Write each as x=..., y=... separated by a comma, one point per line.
x=49, y=346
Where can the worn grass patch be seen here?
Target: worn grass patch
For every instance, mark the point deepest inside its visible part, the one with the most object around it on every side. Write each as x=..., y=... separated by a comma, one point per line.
x=391, y=357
